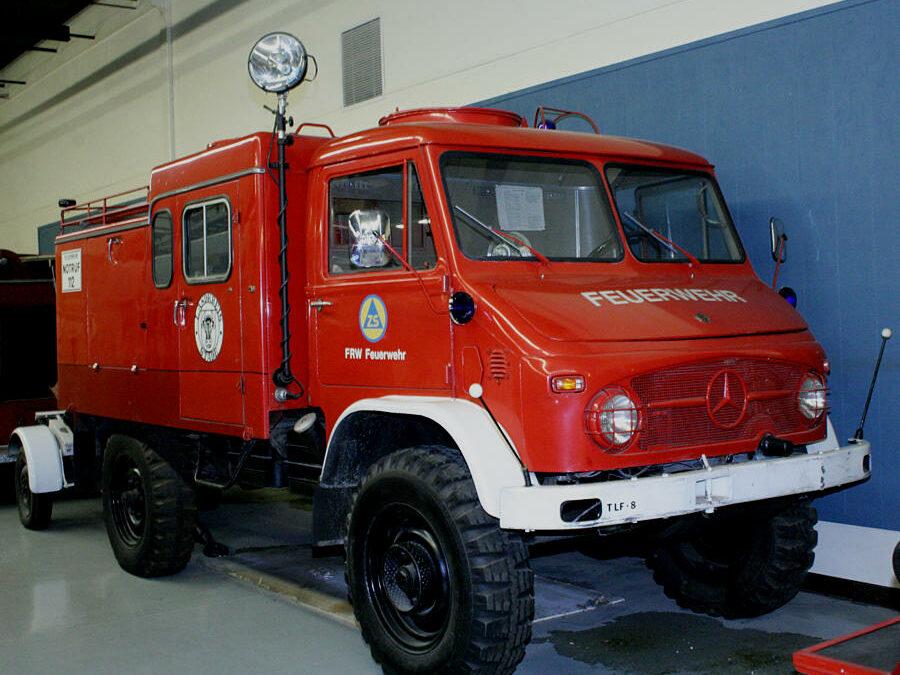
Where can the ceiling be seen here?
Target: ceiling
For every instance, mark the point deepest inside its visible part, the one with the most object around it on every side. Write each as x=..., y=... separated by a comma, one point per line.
x=41, y=24
x=38, y=36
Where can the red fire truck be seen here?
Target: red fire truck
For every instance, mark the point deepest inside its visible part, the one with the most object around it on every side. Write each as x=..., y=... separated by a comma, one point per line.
x=465, y=332
x=27, y=348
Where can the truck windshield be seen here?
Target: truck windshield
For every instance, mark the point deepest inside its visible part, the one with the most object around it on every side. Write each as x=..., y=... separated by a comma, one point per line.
x=510, y=207
x=685, y=208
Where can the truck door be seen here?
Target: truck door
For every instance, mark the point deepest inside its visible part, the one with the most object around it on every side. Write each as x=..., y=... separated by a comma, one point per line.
x=207, y=312
x=378, y=324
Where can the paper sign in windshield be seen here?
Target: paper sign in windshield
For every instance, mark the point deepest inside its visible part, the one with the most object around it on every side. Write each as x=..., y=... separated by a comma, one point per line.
x=520, y=208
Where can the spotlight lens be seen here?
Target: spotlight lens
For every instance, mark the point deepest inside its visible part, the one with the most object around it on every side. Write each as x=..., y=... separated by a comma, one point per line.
x=277, y=62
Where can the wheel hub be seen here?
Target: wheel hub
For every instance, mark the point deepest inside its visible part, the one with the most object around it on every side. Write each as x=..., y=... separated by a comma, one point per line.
x=408, y=575
x=133, y=499
x=128, y=502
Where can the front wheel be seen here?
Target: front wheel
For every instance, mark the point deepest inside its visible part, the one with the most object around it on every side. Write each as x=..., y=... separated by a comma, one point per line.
x=149, y=509
x=743, y=562
x=436, y=585
x=35, y=510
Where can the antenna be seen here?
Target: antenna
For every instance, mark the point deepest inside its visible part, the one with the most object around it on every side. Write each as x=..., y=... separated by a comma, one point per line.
x=885, y=336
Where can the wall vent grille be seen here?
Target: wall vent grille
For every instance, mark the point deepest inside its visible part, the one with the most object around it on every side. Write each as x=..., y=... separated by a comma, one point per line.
x=361, y=63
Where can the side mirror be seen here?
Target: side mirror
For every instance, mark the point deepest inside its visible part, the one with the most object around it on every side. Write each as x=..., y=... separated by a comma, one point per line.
x=778, y=240
x=369, y=229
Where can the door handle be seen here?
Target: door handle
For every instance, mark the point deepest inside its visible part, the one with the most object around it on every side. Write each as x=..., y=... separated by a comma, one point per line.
x=109, y=249
x=320, y=304
x=179, y=311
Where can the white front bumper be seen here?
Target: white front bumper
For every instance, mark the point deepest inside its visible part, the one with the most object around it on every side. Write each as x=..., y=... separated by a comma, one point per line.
x=538, y=507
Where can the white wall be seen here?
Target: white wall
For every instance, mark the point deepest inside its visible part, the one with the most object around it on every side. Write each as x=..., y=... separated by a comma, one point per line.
x=106, y=137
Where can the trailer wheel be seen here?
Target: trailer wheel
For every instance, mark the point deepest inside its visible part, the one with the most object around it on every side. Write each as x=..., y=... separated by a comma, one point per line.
x=436, y=585
x=149, y=509
x=741, y=564
x=35, y=510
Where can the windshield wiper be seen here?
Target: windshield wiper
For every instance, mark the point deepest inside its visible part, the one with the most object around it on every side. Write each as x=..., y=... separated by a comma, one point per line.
x=503, y=236
x=675, y=248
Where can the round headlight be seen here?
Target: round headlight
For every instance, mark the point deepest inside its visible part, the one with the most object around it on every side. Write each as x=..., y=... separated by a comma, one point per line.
x=612, y=419
x=277, y=62
x=811, y=397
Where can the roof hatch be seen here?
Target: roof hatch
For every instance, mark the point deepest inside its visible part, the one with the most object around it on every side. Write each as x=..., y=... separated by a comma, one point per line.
x=500, y=118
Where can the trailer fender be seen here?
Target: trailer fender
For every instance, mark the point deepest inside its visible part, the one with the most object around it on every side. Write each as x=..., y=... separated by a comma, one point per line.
x=487, y=452
x=43, y=455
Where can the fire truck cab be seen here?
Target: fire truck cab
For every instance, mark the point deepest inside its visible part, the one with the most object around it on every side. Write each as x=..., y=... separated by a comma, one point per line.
x=470, y=332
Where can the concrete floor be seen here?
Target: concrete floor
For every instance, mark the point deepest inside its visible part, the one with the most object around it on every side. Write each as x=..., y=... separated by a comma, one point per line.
x=66, y=607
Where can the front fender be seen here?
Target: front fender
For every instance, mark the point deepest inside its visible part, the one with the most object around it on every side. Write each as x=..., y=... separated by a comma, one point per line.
x=487, y=452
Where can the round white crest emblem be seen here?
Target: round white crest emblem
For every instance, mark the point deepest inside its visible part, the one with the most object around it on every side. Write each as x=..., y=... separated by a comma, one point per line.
x=208, y=327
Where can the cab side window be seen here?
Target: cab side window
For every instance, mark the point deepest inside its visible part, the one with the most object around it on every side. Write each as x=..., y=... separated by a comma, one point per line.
x=366, y=209
x=162, y=249
x=207, y=241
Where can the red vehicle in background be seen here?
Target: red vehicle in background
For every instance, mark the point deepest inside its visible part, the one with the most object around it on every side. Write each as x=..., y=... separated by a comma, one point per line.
x=27, y=347
x=463, y=332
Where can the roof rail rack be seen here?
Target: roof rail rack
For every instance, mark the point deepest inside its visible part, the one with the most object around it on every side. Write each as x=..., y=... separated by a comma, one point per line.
x=121, y=208
x=544, y=121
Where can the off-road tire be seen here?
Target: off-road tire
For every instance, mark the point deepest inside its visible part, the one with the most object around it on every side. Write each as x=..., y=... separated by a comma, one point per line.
x=490, y=597
x=149, y=509
x=35, y=510
x=739, y=564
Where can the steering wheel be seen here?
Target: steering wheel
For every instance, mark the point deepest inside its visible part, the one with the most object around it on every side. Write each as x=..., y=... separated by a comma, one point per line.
x=598, y=252
x=500, y=249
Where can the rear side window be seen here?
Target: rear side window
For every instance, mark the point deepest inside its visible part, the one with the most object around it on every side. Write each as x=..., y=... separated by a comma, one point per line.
x=207, y=241
x=162, y=249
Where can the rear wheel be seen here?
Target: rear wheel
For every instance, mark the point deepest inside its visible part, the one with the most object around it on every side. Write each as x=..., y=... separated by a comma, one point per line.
x=738, y=564
x=35, y=510
x=149, y=509
x=436, y=585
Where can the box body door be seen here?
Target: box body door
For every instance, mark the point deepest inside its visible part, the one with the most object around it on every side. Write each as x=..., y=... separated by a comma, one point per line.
x=207, y=311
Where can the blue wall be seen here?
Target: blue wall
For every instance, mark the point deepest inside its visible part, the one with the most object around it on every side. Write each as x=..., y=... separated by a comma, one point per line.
x=802, y=118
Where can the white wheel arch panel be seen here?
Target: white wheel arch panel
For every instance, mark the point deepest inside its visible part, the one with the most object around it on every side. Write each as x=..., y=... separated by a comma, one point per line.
x=489, y=456
x=42, y=453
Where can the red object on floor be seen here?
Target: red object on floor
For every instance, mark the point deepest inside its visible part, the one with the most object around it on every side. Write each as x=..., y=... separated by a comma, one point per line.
x=871, y=651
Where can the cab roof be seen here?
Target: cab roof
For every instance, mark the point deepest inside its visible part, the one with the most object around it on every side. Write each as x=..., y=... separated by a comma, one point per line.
x=476, y=128
x=400, y=134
